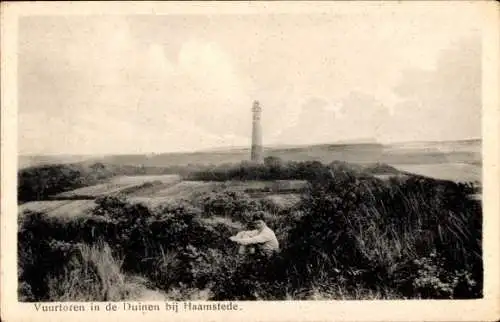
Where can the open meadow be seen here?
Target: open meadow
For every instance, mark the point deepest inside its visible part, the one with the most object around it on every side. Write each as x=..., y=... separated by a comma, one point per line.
x=446, y=171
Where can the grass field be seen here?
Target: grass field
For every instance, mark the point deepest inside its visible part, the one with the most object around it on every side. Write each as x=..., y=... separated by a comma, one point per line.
x=45, y=205
x=265, y=186
x=446, y=171
x=121, y=184
x=186, y=189
x=154, y=190
x=96, y=190
x=159, y=190
x=166, y=179
x=59, y=208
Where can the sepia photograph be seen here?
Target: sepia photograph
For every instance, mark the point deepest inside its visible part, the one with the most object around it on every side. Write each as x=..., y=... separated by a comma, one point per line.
x=249, y=156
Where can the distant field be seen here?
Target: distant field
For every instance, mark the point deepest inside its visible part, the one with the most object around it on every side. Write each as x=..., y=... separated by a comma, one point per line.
x=59, y=208
x=282, y=191
x=466, y=151
x=166, y=178
x=96, y=190
x=186, y=189
x=67, y=209
x=462, y=172
x=151, y=201
x=122, y=184
x=389, y=176
x=42, y=205
x=155, y=190
x=276, y=186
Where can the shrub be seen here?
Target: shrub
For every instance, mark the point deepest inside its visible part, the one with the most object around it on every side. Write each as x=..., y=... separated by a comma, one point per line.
x=41, y=182
x=237, y=205
x=91, y=274
x=376, y=228
x=432, y=280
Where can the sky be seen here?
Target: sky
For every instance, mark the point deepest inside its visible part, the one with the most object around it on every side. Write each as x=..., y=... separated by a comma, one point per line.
x=123, y=84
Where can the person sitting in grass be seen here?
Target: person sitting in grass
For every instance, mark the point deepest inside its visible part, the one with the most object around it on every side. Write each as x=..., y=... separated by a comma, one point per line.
x=262, y=237
x=245, y=249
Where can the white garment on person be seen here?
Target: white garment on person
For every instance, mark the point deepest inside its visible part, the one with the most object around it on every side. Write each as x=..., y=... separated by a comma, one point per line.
x=246, y=234
x=266, y=239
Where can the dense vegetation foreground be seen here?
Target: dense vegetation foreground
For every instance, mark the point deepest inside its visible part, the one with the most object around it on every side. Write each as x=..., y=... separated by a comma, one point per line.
x=352, y=236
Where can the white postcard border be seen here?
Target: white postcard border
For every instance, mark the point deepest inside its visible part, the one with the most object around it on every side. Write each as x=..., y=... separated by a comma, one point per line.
x=460, y=310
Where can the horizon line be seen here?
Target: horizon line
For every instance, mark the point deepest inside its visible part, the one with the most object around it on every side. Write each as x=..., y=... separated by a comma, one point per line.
x=233, y=147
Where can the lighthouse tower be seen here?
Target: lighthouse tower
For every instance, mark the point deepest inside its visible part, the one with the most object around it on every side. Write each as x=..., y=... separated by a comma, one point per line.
x=256, y=154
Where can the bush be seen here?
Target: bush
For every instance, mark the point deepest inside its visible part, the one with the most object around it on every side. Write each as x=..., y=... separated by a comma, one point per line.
x=375, y=228
x=41, y=182
x=237, y=205
x=272, y=169
x=92, y=274
x=432, y=280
